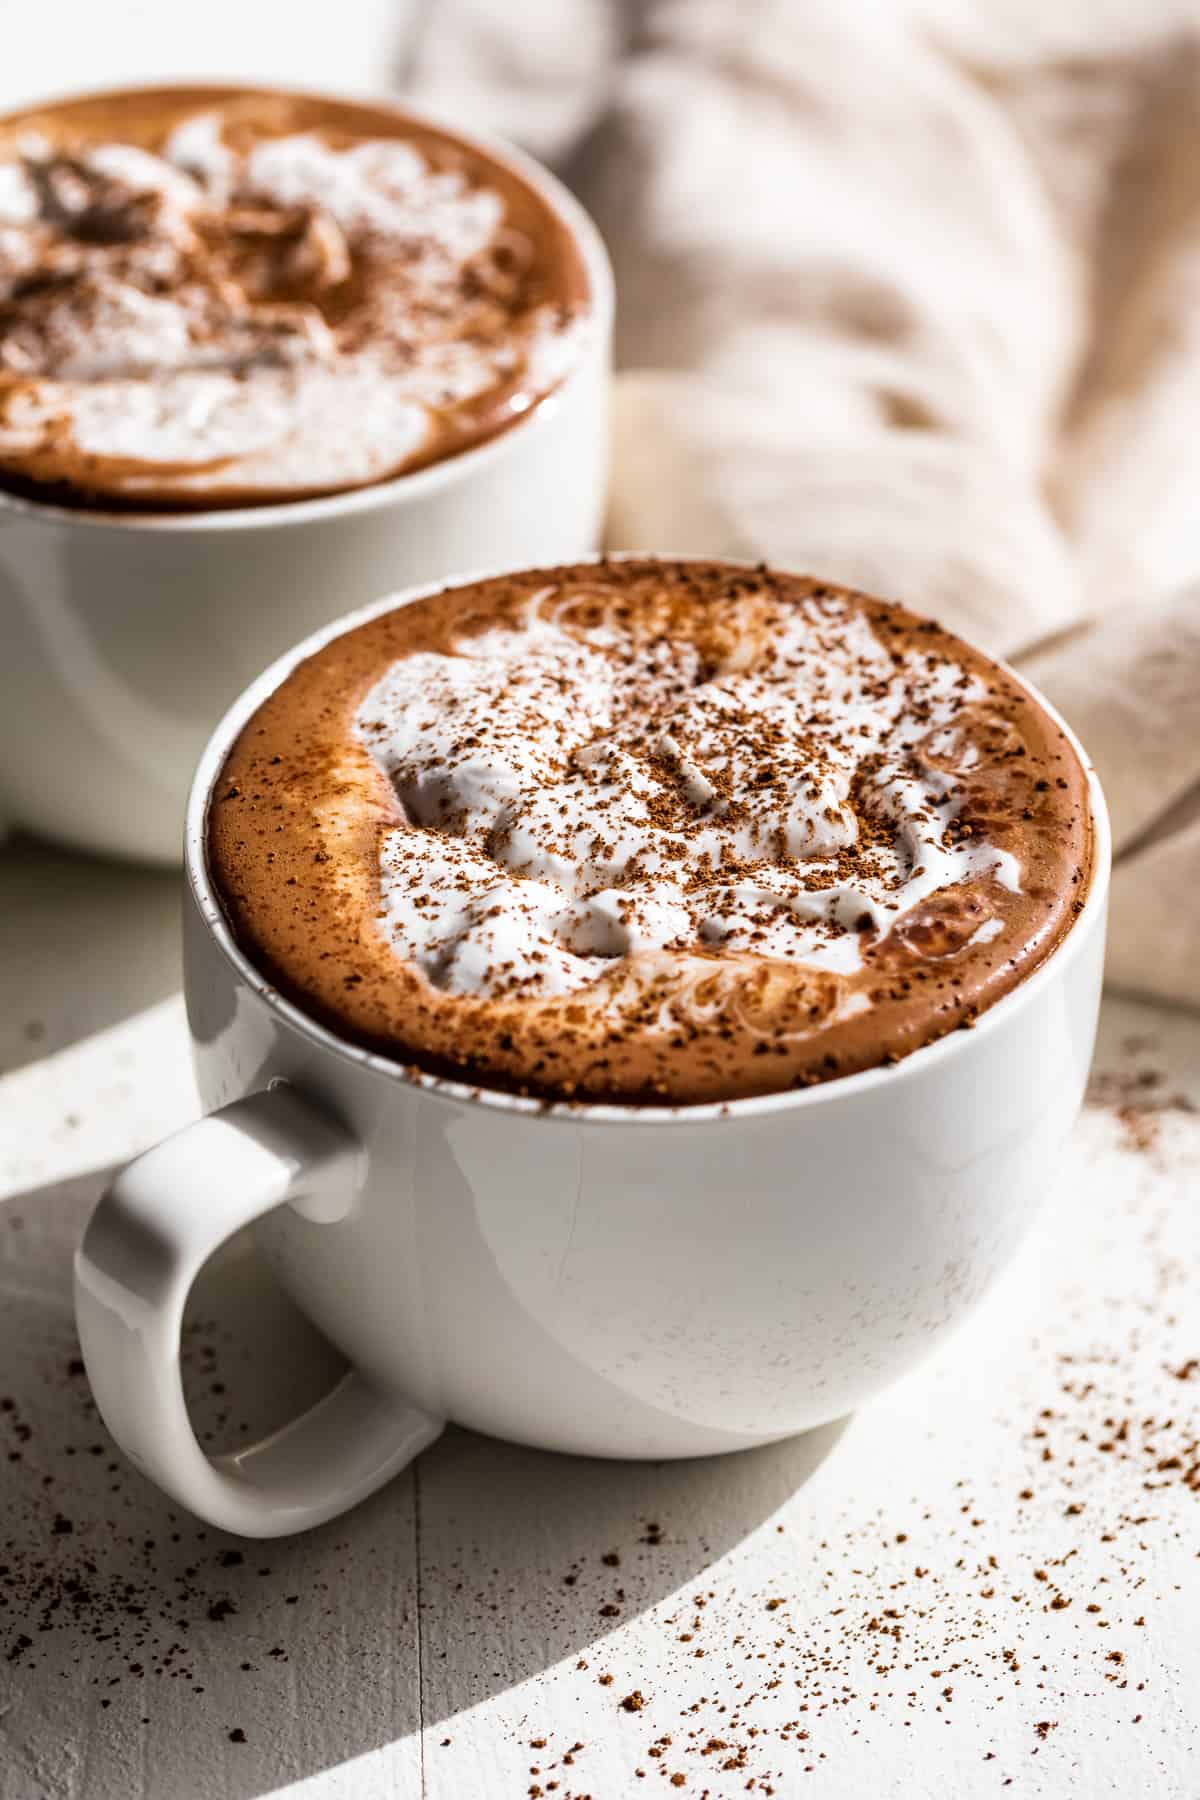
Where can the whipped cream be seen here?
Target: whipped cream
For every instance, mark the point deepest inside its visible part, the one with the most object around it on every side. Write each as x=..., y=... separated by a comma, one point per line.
x=578, y=794
x=288, y=317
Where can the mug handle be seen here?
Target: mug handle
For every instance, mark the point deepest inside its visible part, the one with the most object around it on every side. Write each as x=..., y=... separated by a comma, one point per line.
x=147, y=1240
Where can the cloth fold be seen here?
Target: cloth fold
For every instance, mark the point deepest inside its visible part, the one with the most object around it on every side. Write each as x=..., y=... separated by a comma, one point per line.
x=909, y=296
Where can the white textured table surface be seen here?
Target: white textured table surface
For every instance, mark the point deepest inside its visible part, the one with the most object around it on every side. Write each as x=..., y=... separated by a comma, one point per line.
x=989, y=1578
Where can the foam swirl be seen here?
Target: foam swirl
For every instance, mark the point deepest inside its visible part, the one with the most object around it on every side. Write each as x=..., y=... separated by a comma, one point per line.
x=575, y=792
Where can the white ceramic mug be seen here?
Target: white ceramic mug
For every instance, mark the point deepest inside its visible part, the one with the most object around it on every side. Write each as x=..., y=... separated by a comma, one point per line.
x=123, y=639
x=611, y=1280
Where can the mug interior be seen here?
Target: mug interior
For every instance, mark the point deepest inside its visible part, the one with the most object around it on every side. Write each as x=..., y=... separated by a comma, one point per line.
x=398, y=488
x=582, y=1112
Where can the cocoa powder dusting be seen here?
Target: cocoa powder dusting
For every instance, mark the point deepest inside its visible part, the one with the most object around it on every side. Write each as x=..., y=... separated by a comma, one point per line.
x=1017, y=1597
x=90, y=1596
x=1139, y=1097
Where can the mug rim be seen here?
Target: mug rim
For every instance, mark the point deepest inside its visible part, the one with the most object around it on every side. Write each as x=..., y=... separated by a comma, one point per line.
x=942, y=1049
x=394, y=489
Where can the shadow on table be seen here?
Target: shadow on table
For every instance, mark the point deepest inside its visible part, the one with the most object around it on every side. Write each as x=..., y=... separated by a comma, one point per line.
x=139, y=1646
x=528, y=1558
x=98, y=941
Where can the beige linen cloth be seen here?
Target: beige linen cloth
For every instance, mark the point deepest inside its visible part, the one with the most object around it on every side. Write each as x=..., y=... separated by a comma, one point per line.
x=910, y=297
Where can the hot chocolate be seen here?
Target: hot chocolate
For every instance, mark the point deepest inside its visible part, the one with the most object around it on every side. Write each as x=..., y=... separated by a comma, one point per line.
x=649, y=832
x=211, y=297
